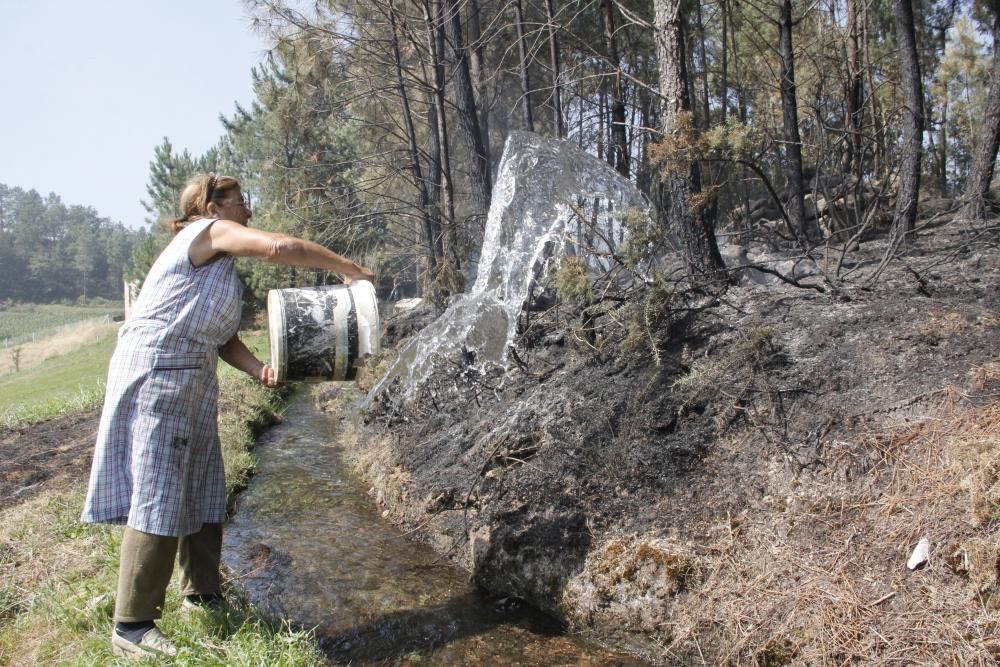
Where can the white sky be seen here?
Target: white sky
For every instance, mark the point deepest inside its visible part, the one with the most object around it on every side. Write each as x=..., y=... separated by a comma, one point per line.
x=89, y=88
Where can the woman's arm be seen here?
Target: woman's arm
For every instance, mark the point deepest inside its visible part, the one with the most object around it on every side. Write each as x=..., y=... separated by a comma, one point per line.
x=233, y=238
x=236, y=354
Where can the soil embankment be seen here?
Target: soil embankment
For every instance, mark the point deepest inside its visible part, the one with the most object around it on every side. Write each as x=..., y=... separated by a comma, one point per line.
x=738, y=478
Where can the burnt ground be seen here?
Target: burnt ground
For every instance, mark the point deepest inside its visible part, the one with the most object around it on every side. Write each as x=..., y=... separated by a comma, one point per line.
x=48, y=455
x=737, y=478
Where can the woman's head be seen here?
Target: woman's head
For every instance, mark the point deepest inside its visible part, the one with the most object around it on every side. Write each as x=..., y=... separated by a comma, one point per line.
x=210, y=196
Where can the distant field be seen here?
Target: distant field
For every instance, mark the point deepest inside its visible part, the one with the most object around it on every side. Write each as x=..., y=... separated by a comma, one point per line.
x=28, y=322
x=55, y=342
x=74, y=381
x=67, y=383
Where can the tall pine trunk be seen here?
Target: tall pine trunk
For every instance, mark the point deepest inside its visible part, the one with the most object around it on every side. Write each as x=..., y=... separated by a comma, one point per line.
x=478, y=74
x=617, y=138
x=522, y=51
x=879, y=134
x=557, y=118
x=434, y=177
x=707, y=112
x=790, y=128
x=905, y=218
x=724, y=73
x=468, y=115
x=678, y=186
x=941, y=158
x=431, y=227
x=446, y=279
x=436, y=28
x=853, y=158
x=981, y=174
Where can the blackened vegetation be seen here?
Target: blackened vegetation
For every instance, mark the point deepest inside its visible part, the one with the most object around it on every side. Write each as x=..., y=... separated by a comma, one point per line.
x=38, y=457
x=638, y=413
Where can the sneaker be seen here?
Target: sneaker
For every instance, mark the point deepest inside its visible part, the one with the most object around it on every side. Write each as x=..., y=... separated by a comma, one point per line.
x=153, y=643
x=207, y=601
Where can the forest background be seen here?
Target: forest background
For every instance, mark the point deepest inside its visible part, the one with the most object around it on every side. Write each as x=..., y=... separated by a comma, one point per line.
x=804, y=128
x=378, y=125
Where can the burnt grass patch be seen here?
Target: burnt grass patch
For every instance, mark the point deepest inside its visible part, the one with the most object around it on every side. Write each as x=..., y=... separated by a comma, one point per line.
x=52, y=453
x=736, y=477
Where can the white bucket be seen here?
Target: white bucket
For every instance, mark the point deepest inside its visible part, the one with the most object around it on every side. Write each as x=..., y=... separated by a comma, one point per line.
x=320, y=333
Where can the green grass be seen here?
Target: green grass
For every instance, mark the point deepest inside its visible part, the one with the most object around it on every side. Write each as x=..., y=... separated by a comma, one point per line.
x=58, y=576
x=27, y=322
x=59, y=385
x=64, y=615
x=75, y=382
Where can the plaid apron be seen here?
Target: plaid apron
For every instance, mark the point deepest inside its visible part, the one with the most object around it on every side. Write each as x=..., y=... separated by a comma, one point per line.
x=157, y=465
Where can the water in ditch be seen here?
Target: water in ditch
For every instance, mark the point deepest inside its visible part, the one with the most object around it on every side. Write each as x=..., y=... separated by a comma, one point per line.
x=309, y=546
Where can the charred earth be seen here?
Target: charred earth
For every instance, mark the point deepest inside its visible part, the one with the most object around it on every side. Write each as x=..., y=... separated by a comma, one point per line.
x=737, y=476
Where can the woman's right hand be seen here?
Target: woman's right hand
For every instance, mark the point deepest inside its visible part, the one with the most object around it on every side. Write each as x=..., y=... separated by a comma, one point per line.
x=268, y=376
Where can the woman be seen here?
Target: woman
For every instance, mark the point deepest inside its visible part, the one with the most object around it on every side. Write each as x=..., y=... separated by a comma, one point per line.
x=157, y=466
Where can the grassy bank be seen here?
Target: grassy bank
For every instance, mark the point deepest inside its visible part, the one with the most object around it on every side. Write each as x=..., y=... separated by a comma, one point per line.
x=57, y=576
x=67, y=383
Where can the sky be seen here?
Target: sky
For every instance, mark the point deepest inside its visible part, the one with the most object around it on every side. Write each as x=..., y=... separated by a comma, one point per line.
x=89, y=89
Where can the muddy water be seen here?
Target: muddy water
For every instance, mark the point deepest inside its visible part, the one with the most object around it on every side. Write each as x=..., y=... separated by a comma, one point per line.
x=309, y=546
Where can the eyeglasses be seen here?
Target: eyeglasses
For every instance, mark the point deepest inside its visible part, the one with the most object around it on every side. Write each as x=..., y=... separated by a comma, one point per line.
x=243, y=201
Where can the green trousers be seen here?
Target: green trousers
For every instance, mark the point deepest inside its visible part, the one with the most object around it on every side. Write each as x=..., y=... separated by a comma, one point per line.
x=147, y=561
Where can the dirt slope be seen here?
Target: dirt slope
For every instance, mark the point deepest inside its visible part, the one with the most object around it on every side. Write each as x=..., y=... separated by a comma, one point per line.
x=739, y=481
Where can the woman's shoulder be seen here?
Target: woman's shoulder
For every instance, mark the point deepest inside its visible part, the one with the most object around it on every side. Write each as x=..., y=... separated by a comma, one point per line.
x=197, y=226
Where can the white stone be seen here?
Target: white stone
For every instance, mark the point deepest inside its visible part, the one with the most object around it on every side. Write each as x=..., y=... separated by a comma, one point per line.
x=921, y=554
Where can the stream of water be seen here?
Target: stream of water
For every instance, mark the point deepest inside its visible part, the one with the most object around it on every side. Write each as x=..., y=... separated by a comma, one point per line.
x=550, y=199
x=309, y=546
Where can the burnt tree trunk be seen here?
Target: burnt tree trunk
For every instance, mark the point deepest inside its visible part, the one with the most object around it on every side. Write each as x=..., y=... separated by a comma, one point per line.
x=679, y=184
x=477, y=72
x=942, y=148
x=437, y=49
x=724, y=73
x=853, y=158
x=707, y=112
x=557, y=118
x=434, y=175
x=941, y=158
x=468, y=115
x=617, y=139
x=522, y=51
x=431, y=228
x=983, y=162
x=790, y=128
x=905, y=218
x=878, y=132
x=602, y=105
x=734, y=57
x=643, y=176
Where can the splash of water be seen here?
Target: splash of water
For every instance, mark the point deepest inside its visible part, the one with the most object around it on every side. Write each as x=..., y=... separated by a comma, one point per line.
x=550, y=199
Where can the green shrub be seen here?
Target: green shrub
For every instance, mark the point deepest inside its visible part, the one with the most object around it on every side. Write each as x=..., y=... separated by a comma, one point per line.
x=571, y=281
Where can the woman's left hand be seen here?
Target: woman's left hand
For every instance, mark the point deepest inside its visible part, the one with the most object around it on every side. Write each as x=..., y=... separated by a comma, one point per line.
x=268, y=376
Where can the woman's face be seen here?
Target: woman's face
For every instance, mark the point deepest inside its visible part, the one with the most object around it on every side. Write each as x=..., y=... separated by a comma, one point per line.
x=235, y=207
